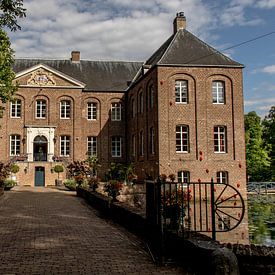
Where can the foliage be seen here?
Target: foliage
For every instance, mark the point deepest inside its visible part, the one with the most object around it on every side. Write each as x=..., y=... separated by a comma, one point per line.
x=258, y=161
x=10, y=11
x=4, y=171
x=120, y=172
x=58, y=169
x=112, y=188
x=269, y=137
x=70, y=184
x=6, y=73
x=8, y=183
x=93, y=183
x=172, y=177
x=14, y=168
x=93, y=164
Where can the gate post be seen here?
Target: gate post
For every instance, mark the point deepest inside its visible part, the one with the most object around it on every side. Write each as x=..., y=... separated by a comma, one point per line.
x=213, y=209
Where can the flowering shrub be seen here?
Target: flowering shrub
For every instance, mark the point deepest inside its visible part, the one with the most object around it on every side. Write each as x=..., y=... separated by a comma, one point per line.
x=4, y=172
x=112, y=188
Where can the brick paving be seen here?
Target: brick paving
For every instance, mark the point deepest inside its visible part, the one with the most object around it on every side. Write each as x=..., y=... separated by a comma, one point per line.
x=48, y=231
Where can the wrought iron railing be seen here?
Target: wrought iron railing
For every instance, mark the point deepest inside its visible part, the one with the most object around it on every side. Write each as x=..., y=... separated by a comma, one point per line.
x=40, y=157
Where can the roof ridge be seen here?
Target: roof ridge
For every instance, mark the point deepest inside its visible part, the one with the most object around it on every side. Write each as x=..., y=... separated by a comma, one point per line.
x=169, y=46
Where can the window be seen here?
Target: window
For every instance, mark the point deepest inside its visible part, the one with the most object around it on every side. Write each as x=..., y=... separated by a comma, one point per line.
x=182, y=139
x=15, y=109
x=41, y=108
x=92, y=110
x=152, y=141
x=218, y=92
x=141, y=106
x=14, y=145
x=224, y=223
x=64, y=146
x=116, y=111
x=141, y=143
x=184, y=176
x=133, y=145
x=151, y=96
x=133, y=108
x=181, y=91
x=222, y=177
x=91, y=146
x=116, y=146
x=220, y=139
x=65, y=109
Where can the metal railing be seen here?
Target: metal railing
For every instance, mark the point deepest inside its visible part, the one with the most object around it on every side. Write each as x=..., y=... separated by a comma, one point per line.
x=261, y=187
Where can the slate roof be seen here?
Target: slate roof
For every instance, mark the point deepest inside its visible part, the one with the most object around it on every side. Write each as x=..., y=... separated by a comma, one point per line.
x=97, y=75
x=185, y=49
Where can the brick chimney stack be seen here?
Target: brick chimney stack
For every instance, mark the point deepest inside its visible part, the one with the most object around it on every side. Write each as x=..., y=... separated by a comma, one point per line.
x=75, y=56
x=179, y=22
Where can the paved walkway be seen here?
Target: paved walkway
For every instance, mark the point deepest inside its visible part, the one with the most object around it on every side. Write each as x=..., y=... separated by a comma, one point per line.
x=48, y=231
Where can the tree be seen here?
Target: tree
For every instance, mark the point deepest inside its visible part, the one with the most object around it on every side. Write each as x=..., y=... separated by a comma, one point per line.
x=258, y=161
x=58, y=169
x=269, y=137
x=10, y=10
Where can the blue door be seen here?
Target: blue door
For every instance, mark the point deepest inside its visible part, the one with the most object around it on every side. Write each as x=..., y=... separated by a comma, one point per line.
x=39, y=176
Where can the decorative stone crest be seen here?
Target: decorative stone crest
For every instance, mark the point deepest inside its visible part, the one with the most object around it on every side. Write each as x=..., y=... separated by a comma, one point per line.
x=41, y=78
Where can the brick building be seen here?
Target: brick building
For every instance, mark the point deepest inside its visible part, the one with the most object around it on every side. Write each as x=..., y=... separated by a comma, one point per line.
x=179, y=112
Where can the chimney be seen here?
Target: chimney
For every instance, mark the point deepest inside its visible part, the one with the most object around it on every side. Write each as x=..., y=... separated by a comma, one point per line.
x=179, y=22
x=75, y=56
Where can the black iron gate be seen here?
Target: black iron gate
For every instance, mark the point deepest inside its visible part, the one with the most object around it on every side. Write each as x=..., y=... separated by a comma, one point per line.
x=204, y=207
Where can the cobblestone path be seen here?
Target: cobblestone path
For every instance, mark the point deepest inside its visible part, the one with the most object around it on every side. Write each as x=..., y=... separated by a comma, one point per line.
x=48, y=231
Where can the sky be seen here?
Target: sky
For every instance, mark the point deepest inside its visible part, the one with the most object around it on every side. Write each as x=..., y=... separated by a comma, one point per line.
x=132, y=30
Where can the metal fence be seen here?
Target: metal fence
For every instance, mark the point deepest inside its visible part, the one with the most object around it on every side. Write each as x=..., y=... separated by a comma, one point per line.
x=205, y=207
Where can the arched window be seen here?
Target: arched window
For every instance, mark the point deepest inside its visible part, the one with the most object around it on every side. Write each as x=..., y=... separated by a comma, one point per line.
x=92, y=111
x=116, y=111
x=151, y=95
x=141, y=105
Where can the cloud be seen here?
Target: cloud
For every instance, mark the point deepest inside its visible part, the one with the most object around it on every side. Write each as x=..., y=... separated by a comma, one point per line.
x=266, y=4
x=268, y=69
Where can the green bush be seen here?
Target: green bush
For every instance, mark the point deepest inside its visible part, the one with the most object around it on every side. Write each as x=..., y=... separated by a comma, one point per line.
x=14, y=168
x=70, y=184
x=58, y=169
x=8, y=184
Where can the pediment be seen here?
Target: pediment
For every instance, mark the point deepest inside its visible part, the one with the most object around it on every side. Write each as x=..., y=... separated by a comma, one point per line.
x=45, y=76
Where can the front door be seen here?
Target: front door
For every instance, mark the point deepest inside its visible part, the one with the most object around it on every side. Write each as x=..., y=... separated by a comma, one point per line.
x=39, y=176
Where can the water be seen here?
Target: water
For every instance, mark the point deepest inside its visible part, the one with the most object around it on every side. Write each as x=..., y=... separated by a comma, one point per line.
x=261, y=218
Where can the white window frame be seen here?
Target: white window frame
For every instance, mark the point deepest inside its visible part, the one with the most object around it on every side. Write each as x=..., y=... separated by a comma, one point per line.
x=15, y=108
x=181, y=91
x=116, y=111
x=92, y=146
x=65, y=146
x=184, y=176
x=116, y=149
x=218, y=92
x=41, y=109
x=182, y=139
x=222, y=177
x=220, y=139
x=65, y=109
x=92, y=110
x=15, y=142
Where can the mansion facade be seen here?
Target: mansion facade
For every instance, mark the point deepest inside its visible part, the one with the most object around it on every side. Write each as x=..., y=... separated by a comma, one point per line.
x=179, y=112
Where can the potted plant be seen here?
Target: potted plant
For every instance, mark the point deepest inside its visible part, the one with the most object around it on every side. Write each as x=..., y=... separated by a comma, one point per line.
x=58, y=169
x=14, y=168
x=9, y=184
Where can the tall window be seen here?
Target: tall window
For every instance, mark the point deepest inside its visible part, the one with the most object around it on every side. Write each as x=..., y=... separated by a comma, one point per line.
x=220, y=139
x=14, y=145
x=92, y=110
x=41, y=108
x=91, y=146
x=64, y=145
x=116, y=146
x=65, y=109
x=133, y=145
x=222, y=177
x=152, y=140
x=116, y=111
x=182, y=138
x=141, y=143
x=184, y=176
x=181, y=91
x=133, y=108
x=15, y=108
x=218, y=92
x=141, y=105
x=151, y=96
